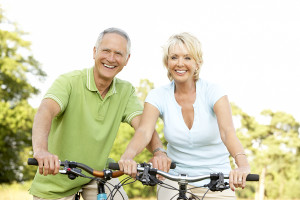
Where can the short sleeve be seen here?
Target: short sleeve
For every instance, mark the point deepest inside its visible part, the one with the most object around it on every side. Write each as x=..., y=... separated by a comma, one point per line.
x=154, y=98
x=133, y=108
x=60, y=92
x=214, y=93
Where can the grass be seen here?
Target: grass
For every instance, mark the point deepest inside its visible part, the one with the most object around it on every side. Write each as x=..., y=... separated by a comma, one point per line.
x=15, y=191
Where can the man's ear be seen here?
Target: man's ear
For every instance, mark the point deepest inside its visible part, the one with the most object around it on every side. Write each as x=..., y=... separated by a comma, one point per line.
x=94, y=52
x=127, y=59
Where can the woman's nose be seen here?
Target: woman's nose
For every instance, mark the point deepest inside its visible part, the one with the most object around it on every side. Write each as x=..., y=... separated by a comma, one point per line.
x=180, y=63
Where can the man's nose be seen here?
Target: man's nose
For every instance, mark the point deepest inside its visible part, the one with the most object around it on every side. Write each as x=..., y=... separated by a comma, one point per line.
x=111, y=57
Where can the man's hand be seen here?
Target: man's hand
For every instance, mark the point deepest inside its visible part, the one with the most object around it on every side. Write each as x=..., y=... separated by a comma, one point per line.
x=161, y=161
x=48, y=163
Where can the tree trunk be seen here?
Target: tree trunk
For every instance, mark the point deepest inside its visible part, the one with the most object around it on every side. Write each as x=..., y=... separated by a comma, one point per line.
x=261, y=191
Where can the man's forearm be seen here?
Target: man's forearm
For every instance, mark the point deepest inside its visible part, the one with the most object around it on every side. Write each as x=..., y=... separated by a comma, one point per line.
x=154, y=143
x=40, y=132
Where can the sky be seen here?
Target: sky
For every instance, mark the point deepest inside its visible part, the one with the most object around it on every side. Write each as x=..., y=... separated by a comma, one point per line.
x=250, y=48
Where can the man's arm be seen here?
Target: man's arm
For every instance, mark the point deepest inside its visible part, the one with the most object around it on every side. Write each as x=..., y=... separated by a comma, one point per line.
x=48, y=163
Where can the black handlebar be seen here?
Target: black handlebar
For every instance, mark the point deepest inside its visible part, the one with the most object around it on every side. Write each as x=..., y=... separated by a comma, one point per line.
x=252, y=177
x=115, y=166
x=32, y=161
x=71, y=164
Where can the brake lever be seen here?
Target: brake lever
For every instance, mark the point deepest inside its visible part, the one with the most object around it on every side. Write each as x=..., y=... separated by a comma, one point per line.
x=144, y=177
x=217, y=183
x=148, y=177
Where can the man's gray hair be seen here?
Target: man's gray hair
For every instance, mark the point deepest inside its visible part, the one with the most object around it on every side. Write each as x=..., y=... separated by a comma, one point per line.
x=117, y=31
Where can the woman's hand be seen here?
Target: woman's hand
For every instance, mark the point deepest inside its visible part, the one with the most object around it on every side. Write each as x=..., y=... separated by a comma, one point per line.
x=237, y=177
x=128, y=166
x=161, y=161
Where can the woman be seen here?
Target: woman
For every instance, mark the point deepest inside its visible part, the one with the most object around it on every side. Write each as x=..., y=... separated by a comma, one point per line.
x=197, y=119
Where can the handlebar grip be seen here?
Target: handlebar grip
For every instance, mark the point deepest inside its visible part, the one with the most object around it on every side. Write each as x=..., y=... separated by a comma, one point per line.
x=252, y=177
x=115, y=166
x=173, y=165
x=32, y=161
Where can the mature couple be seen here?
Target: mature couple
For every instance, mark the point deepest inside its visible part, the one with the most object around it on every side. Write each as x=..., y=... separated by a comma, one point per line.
x=80, y=114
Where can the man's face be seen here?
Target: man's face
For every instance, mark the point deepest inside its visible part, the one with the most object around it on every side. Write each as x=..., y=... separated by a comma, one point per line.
x=111, y=56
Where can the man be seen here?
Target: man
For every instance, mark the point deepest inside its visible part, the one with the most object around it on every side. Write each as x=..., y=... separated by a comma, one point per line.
x=79, y=117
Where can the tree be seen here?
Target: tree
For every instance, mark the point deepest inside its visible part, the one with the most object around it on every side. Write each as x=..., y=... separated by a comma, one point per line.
x=16, y=115
x=273, y=150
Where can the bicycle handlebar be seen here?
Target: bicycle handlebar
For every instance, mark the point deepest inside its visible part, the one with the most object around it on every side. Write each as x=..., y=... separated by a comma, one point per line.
x=147, y=175
x=140, y=168
x=250, y=177
x=71, y=164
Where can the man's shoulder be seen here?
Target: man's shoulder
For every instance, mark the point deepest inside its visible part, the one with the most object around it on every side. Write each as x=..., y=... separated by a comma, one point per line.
x=119, y=83
x=75, y=73
x=75, y=76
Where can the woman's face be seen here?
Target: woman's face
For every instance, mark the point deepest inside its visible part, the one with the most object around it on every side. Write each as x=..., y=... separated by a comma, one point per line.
x=181, y=64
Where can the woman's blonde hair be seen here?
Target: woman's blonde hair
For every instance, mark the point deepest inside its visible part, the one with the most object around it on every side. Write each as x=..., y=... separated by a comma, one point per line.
x=192, y=44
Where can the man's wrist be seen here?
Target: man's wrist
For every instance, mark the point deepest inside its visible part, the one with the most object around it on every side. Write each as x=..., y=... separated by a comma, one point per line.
x=159, y=149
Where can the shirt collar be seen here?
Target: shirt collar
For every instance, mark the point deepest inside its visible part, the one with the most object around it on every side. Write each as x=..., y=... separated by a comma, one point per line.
x=91, y=85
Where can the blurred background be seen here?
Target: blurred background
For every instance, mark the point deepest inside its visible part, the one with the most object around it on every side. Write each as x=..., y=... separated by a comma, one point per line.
x=250, y=48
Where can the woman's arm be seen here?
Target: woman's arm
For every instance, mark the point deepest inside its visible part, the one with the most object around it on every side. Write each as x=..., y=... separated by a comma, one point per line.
x=238, y=176
x=144, y=126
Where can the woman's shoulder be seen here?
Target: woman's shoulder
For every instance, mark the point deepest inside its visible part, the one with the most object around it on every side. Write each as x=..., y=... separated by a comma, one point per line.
x=160, y=93
x=206, y=85
x=162, y=89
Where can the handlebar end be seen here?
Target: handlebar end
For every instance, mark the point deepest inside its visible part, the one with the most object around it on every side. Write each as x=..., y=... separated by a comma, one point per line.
x=113, y=166
x=252, y=177
x=32, y=161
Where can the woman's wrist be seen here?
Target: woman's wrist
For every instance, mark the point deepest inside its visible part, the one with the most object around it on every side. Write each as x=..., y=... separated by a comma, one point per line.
x=159, y=150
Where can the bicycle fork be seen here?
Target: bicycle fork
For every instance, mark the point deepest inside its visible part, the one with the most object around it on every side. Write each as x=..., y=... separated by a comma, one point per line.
x=182, y=192
x=101, y=191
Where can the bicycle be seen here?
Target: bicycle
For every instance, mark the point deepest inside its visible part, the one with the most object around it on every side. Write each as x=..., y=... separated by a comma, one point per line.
x=148, y=177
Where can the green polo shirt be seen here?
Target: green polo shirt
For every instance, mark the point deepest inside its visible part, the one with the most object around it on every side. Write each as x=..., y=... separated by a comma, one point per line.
x=86, y=127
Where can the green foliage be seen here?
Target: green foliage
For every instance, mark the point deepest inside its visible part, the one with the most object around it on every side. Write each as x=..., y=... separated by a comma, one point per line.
x=143, y=89
x=16, y=115
x=274, y=146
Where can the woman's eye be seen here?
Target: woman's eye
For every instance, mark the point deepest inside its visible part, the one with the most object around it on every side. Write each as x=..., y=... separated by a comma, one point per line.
x=188, y=58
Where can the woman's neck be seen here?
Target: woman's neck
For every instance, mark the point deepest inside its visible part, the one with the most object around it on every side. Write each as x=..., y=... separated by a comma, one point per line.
x=185, y=88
